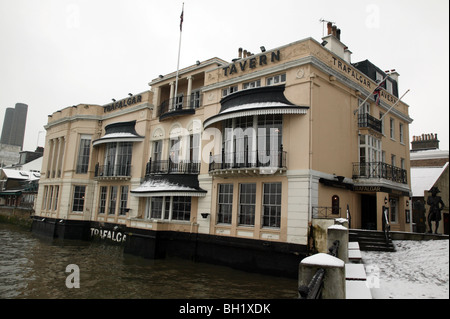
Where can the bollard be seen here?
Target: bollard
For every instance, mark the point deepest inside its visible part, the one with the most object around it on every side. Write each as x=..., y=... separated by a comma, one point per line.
x=334, y=278
x=339, y=232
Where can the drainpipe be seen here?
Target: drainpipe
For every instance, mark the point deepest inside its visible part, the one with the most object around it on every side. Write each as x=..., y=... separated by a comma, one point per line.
x=312, y=76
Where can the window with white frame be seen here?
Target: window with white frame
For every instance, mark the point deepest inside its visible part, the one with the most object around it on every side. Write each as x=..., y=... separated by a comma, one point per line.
x=102, y=200
x=247, y=202
x=45, y=198
x=393, y=160
x=181, y=208
x=271, y=205
x=79, y=192
x=392, y=128
x=229, y=90
x=83, y=154
x=369, y=149
x=112, y=200
x=225, y=204
x=123, y=199
x=389, y=87
x=401, y=133
x=277, y=79
x=118, y=159
x=179, y=101
x=251, y=85
x=169, y=208
x=394, y=210
x=56, y=194
x=382, y=122
x=195, y=101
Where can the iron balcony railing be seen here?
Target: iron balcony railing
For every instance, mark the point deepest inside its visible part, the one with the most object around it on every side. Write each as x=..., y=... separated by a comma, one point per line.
x=248, y=159
x=379, y=170
x=171, y=167
x=366, y=120
x=119, y=170
x=179, y=104
x=326, y=212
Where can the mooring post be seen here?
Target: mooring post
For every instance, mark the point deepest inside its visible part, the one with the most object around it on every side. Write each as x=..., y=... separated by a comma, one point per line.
x=334, y=278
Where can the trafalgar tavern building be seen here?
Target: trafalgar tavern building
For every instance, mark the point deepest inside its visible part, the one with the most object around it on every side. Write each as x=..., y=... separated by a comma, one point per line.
x=233, y=162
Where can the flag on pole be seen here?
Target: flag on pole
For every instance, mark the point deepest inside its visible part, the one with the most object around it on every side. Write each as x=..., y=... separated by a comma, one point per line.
x=377, y=93
x=181, y=19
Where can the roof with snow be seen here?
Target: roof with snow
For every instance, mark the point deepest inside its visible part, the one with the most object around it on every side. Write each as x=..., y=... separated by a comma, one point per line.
x=21, y=175
x=163, y=187
x=119, y=132
x=257, y=101
x=423, y=178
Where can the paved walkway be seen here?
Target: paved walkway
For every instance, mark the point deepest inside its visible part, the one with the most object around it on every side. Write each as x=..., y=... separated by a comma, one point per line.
x=356, y=284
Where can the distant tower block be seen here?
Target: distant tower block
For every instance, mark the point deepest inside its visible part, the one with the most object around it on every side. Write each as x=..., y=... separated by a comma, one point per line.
x=13, y=131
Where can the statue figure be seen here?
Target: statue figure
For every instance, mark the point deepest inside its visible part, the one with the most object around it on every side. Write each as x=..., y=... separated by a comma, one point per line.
x=436, y=205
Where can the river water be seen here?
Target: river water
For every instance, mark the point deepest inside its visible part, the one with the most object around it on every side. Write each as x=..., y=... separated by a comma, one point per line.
x=32, y=267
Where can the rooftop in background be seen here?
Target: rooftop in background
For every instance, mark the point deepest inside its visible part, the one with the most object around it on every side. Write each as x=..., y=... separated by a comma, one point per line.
x=425, y=152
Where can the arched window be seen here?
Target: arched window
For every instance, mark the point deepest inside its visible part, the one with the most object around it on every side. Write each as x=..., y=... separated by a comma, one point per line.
x=335, y=205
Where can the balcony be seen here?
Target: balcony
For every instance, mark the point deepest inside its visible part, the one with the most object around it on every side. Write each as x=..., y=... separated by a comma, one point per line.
x=368, y=121
x=170, y=167
x=248, y=162
x=121, y=171
x=379, y=170
x=178, y=107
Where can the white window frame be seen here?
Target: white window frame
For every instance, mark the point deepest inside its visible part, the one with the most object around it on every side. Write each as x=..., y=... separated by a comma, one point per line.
x=276, y=79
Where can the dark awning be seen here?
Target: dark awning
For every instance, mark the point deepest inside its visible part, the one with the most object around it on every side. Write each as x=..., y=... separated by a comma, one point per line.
x=257, y=101
x=119, y=132
x=163, y=187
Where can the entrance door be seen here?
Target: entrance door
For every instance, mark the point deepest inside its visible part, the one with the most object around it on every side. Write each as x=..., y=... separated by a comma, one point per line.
x=368, y=212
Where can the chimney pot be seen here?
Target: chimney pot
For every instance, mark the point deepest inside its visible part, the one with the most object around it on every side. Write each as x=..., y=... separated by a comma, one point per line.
x=334, y=30
x=329, y=25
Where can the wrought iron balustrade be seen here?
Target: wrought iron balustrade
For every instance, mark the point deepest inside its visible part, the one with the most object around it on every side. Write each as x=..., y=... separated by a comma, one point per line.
x=113, y=170
x=175, y=105
x=248, y=159
x=366, y=120
x=171, y=167
x=379, y=170
x=326, y=212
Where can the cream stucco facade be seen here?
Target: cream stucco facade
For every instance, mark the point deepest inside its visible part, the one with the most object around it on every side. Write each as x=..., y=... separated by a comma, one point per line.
x=334, y=152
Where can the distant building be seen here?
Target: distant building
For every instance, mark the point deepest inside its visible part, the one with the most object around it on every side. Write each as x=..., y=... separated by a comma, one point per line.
x=429, y=168
x=13, y=131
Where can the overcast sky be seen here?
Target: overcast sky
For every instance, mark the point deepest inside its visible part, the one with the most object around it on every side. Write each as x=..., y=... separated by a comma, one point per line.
x=59, y=53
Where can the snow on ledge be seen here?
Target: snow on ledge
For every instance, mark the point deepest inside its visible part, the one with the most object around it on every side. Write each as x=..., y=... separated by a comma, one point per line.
x=323, y=260
x=336, y=226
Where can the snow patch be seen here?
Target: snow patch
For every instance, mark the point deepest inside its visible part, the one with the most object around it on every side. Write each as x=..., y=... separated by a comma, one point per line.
x=417, y=270
x=323, y=260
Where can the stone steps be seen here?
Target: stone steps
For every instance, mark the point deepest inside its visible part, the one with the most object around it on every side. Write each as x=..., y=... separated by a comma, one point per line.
x=371, y=240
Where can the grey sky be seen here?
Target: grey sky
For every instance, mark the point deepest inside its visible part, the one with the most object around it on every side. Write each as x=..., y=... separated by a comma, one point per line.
x=59, y=53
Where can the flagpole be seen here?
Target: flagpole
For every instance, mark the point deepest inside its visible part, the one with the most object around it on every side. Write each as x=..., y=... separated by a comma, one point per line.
x=362, y=103
x=393, y=105
x=178, y=63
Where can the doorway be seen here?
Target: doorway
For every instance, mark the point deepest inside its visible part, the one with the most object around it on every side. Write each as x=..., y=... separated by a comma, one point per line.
x=369, y=212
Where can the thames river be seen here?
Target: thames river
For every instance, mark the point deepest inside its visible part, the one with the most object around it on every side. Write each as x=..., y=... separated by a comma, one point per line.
x=32, y=267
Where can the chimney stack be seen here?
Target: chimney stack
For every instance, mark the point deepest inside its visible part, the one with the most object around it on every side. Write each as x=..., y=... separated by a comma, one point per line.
x=425, y=142
x=333, y=43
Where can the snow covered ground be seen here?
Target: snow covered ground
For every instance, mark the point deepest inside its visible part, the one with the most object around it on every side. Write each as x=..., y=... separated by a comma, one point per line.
x=417, y=270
